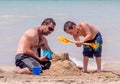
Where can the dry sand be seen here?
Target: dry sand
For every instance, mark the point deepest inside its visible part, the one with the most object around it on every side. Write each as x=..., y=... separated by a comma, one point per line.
x=63, y=71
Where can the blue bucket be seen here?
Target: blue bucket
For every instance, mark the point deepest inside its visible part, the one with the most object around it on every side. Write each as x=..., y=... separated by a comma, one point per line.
x=36, y=70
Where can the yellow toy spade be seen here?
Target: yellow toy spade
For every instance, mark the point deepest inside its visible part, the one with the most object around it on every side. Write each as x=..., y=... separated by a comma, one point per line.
x=66, y=40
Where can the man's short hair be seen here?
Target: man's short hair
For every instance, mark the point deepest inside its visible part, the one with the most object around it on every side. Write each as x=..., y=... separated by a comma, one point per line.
x=48, y=21
x=68, y=25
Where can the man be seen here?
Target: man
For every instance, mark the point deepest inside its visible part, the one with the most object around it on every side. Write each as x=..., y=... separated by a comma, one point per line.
x=28, y=50
x=91, y=35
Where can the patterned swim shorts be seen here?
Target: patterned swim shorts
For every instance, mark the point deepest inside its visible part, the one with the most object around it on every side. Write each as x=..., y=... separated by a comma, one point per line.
x=93, y=51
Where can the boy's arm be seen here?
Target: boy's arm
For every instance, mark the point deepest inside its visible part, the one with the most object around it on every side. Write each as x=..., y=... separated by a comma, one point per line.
x=77, y=39
x=87, y=32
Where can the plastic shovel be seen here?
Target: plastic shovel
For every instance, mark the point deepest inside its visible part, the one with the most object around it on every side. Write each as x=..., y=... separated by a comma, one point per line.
x=66, y=41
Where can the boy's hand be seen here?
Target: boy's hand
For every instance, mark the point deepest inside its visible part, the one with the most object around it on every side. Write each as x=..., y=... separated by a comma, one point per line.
x=79, y=43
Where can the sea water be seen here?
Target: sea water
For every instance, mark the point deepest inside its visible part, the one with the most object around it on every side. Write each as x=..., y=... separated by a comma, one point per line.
x=16, y=16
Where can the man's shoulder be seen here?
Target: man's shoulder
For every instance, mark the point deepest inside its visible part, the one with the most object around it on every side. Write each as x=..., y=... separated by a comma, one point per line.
x=31, y=32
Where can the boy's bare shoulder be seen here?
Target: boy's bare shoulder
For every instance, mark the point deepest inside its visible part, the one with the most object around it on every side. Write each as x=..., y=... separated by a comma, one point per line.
x=83, y=23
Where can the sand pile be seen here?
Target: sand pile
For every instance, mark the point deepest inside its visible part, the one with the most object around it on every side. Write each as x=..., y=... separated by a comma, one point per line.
x=62, y=65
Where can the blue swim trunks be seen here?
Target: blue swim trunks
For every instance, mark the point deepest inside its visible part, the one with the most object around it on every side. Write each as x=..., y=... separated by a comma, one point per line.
x=90, y=51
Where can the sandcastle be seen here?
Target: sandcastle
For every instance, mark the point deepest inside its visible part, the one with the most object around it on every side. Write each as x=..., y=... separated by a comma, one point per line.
x=62, y=65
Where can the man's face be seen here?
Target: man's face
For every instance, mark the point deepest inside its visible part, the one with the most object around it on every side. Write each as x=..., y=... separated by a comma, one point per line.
x=48, y=29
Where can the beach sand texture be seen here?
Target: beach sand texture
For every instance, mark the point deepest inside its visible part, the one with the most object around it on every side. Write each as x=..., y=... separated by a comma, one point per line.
x=62, y=71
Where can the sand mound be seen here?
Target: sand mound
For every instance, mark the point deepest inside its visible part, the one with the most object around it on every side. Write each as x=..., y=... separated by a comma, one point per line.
x=62, y=65
x=111, y=66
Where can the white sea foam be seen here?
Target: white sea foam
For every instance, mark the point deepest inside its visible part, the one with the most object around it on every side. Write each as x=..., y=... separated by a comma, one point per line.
x=91, y=65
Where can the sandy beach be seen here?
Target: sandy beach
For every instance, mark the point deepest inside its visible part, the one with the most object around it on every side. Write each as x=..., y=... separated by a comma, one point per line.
x=17, y=16
x=68, y=73
x=108, y=77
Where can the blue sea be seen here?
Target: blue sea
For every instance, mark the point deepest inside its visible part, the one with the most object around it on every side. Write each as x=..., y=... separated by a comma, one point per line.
x=16, y=16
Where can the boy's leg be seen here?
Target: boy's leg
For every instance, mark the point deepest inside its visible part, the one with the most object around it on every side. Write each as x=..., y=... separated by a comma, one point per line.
x=87, y=53
x=85, y=63
x=98, y=51
x=98, y=62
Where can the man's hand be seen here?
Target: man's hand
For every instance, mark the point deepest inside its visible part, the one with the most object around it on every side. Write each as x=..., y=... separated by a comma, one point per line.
x=43, y=59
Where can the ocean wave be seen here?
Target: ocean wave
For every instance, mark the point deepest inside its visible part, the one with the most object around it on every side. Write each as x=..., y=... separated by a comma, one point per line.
x=16, y=16
x=9, y=19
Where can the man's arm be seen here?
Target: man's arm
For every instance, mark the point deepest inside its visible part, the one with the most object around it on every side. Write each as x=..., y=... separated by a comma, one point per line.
x=28, y=44
x=45, y=45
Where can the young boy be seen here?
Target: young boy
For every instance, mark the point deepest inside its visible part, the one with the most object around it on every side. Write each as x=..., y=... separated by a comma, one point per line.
x=91, y=35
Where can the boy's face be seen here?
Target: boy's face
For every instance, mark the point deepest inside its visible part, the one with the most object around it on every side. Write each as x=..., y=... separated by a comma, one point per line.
x=72, y=31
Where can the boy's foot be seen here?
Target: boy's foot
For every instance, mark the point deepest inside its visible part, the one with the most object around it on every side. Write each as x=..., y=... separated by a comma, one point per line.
x=85, y=71
x=99, y=71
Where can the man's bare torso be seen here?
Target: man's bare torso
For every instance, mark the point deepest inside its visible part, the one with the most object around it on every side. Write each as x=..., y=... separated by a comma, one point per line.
x=32, y=38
